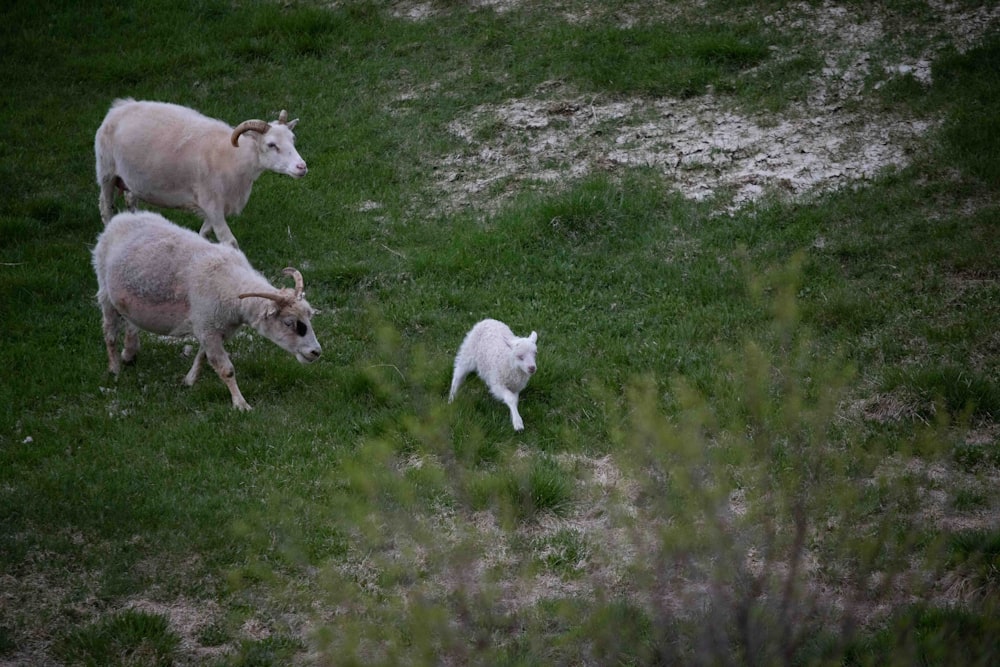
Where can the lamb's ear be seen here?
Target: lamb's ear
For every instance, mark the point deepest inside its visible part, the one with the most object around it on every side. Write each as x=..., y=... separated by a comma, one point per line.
x=533, y=337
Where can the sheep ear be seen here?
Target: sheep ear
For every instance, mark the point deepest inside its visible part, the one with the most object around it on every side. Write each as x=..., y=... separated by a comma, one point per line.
x=533, y=337
x=292, y=124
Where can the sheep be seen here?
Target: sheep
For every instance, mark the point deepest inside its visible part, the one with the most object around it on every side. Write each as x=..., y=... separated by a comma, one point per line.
x=168, y=280
x=503, y=361
x=174, y=157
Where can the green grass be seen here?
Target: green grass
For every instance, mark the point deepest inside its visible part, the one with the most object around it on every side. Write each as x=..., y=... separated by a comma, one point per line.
x=703, y=404
x=126, y=638
x=928, y=637
x=564, y=553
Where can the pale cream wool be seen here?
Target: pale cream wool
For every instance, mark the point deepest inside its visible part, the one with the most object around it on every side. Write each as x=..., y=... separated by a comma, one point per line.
x=174, y=157
x=168, y=280
x=503, y=361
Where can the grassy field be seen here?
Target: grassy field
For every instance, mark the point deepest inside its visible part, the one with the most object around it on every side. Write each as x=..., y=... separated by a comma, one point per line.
x=759, y=242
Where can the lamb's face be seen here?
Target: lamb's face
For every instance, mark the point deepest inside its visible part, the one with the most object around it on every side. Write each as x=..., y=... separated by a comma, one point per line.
x=523, y=352
x=290, y=327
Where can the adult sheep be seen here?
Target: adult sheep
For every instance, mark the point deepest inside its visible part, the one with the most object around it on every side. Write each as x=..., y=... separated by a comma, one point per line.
x=174, y=157
x=167, y=280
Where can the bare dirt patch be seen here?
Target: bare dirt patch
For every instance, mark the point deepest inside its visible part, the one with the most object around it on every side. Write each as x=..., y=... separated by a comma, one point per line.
x=704, y=147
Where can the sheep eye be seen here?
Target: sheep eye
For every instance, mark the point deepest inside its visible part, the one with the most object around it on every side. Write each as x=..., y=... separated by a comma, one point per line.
x=300, y=328
x=274, y=147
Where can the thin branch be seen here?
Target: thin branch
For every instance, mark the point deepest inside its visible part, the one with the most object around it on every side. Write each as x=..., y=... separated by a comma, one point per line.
x=394, y=252
x=392, y=366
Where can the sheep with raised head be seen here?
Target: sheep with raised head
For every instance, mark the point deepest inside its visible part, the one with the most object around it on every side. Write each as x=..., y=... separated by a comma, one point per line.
x=504, y=361
x=168, y=280
x=174, y=157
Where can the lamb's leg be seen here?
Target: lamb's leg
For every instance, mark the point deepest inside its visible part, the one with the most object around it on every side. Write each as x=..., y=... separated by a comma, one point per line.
x=219, y=359
x=111, y=321
x=462, y=368
x=192, y=374
x=131, y=348
x=510, y=398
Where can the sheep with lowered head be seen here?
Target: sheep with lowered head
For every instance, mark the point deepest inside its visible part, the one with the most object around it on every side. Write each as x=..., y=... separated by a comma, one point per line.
x=174, y=157
x=504, y=361
x=167, y=280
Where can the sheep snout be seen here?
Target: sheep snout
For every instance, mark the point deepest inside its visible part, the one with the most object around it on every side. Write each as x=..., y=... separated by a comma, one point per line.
x=309, y=356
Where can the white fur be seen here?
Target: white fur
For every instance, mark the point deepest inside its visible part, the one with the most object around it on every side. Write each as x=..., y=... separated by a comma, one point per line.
x=503, y=361
x=168, y=280
x=174, y=157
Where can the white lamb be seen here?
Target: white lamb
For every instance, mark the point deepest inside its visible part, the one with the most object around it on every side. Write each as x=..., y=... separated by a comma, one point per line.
x=503, y=361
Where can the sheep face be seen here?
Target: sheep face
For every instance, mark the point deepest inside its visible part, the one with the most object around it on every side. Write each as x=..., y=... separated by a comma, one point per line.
x=522, y=354
x=288, y=324
x=276, y=150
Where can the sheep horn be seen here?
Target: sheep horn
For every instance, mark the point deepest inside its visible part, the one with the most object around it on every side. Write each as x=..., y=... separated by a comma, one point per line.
x=299, y=284
x=247, y=126
x=283, y=117
x=273, y=297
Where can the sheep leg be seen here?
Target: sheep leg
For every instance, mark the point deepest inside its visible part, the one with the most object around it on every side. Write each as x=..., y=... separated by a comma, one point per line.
x=195, y=371
x=112, y=320
x=106, y=200
x=129, y=200
x=215, y=222
x=219, y=360
x=131, y=348
x=510, y=398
